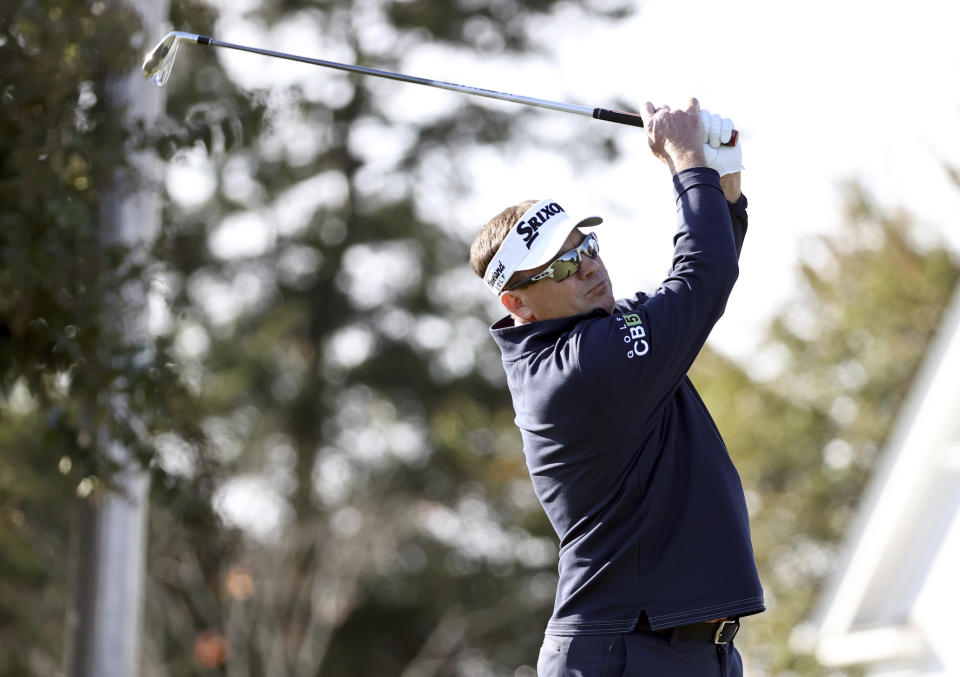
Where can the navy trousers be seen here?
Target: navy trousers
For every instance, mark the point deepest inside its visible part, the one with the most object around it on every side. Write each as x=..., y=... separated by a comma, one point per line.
x=635, y=655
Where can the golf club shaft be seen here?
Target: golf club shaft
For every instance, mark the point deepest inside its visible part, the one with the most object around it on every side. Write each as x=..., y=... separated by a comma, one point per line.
x=464, y=89
x=620, y=117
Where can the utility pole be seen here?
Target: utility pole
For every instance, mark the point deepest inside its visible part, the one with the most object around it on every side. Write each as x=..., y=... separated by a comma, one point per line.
x=104, y=624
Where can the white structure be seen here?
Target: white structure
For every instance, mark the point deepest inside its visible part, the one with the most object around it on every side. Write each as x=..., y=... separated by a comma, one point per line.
x=893, y=607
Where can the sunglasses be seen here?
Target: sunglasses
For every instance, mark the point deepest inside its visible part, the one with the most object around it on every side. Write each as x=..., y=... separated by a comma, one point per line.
x=565, y=265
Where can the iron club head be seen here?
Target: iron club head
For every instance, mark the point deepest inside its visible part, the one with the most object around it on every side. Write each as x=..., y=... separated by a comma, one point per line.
x=159, y=62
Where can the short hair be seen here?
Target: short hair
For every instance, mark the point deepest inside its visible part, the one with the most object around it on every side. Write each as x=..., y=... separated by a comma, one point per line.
x=492, y=235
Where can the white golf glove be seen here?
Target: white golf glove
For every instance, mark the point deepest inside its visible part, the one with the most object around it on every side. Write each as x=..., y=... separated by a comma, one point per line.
x=716, y=132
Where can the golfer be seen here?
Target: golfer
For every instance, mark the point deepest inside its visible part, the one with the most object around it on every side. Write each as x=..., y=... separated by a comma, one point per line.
x=656, y=565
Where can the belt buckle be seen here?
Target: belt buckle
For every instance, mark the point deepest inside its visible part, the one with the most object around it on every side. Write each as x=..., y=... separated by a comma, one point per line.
x=721, y=636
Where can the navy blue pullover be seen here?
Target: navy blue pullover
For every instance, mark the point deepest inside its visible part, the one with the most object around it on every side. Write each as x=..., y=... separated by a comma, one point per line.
x=624, y=457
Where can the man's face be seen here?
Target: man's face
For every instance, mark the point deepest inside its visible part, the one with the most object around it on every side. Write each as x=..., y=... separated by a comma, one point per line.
x=580, y=293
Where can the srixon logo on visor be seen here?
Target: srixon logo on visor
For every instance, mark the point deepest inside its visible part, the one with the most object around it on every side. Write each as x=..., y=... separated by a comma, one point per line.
x=530, y=228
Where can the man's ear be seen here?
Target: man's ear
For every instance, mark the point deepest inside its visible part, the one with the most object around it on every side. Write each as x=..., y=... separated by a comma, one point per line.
x=516, y=307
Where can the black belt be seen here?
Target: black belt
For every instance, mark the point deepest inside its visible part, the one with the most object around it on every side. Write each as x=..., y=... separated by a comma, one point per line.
x=718, y=633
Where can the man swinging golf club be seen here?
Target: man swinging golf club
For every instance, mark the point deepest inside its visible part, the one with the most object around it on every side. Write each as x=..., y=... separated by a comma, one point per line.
x=656, y=565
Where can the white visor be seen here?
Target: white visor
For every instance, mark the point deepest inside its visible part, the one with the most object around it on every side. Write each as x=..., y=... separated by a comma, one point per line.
x=534, y=240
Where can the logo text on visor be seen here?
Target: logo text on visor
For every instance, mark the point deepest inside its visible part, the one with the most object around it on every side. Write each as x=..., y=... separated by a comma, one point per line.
x=530, y=228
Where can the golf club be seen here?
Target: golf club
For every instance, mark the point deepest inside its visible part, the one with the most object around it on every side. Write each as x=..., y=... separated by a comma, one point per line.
x=159, y=63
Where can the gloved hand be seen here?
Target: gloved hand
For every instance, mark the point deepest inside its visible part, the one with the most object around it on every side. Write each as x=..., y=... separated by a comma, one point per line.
x=717, y=131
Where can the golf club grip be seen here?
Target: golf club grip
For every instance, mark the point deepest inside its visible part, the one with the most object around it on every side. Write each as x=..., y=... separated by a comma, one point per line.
x=635, y=120
x=618, y=116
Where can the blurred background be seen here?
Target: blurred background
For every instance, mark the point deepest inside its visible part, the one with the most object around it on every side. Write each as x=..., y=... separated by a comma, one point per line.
x=251, y=419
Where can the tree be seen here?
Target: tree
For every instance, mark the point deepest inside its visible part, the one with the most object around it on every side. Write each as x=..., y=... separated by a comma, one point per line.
x=61, y=363
x=806, y=439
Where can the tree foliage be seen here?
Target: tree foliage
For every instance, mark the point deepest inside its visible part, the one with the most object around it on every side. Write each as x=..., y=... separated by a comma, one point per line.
x=807, y=439
x=60, y=147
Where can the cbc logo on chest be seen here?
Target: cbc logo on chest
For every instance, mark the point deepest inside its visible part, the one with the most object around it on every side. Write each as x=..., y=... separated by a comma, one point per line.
x=634, y=335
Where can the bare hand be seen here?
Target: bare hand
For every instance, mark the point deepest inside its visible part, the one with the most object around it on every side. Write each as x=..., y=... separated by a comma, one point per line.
x=676, y=136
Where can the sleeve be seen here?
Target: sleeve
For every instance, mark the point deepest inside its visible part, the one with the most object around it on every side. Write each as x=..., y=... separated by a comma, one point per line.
x=642, y=352
x=738, y=217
